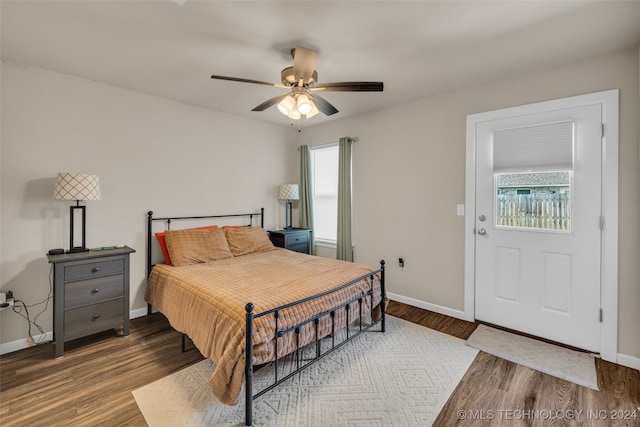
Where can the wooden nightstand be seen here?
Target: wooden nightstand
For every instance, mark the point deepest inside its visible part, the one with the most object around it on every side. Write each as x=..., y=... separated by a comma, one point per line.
x=91, y=293
x=294, y=239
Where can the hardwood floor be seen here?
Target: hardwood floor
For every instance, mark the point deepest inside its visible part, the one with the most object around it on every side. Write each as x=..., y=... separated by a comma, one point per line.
x=497, y=392
x=92, y=384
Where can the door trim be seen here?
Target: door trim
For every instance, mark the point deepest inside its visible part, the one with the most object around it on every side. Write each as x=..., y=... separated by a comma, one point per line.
x=609, y=242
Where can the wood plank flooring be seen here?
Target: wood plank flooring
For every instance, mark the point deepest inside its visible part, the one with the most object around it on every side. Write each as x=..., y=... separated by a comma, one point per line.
x=92, y=384
x=497, y=392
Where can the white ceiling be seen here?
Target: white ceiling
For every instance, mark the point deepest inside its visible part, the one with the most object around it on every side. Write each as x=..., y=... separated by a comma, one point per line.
x=417, y=48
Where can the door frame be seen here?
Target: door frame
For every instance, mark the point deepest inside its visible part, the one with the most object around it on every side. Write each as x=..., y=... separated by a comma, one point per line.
x=609, y=242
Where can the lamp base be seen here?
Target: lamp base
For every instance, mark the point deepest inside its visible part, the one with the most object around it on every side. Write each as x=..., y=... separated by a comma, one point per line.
x=288, y=216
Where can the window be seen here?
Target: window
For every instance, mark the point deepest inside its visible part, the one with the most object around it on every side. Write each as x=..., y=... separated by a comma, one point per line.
x=325, y=193
x=534, y=200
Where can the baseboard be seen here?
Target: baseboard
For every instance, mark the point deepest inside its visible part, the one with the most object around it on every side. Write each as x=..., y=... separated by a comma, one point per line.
x=138, y=312
x=629, y=361
x=429, y=306
x=10, y=347
x=20, y=344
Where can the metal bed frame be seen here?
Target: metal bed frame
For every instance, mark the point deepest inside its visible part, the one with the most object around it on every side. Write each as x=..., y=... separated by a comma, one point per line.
x=250, y=368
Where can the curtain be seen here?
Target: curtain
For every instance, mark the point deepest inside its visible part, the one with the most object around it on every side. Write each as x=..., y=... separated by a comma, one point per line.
x=344, y=247
x=305, y=208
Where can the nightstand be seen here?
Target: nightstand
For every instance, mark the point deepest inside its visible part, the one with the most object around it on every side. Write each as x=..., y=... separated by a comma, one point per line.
x=294, y=239
x=91, y=293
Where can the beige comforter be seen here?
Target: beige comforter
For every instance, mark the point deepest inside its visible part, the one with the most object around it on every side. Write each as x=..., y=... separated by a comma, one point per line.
x=207, y=302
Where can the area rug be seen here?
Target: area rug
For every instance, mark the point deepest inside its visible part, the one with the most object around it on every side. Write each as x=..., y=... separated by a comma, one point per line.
x=554, y=360
x=398, y=378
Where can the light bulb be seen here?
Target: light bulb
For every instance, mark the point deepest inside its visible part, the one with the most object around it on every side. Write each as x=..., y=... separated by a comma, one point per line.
x=304, y=105
x=313, y=112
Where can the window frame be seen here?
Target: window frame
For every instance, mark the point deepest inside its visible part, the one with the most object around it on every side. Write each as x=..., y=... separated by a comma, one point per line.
x=320, y=241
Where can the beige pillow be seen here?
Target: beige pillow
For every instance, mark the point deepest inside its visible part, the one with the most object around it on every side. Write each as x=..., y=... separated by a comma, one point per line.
x=194, y=246
x=247, y=240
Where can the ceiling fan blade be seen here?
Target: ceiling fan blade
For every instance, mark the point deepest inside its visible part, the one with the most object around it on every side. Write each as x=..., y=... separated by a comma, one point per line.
x=323, y=105
x=237, y=79
x=350, y=87
x=270, y=102
x=304, y=63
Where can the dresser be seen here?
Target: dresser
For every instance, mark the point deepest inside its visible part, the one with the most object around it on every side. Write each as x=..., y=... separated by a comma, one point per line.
x=294, y=239
x=91, y=293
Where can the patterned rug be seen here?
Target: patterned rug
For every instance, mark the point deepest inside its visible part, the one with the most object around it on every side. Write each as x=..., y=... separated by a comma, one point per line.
x=398, y=378
x=560, y=362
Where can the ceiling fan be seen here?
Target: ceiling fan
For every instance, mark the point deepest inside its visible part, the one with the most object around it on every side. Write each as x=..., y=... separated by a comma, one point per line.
x=302, y=82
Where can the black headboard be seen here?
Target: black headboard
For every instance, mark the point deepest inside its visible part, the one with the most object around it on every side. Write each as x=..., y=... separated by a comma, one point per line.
x=168, y=220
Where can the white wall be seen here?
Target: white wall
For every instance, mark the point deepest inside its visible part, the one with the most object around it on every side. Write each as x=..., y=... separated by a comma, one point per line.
x=150, y=153
x=409, y=175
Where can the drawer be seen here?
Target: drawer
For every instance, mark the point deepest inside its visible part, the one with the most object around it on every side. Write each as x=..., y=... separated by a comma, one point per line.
x=296, y=239
x=304, y=248
x=94, y=290
x=95, y=317
x=85, y=270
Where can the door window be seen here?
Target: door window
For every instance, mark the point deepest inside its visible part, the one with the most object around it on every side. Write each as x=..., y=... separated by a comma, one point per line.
x=534, y=200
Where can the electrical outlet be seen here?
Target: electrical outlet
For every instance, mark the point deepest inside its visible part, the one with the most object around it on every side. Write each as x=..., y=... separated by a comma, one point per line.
x=401, y=264
x=30, y=341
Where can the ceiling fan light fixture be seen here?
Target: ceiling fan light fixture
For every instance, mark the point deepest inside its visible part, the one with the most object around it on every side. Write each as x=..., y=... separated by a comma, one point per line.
x=295, y=114
x=313, y=112
x=304, y=104
x=287, y=105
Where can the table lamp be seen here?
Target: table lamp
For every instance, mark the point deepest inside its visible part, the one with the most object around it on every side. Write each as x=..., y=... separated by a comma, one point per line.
x=288, y=192
x=77, y=186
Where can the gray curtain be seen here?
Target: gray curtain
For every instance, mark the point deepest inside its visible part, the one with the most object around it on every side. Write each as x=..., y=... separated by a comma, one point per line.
x=305, y=208
x=344, y=247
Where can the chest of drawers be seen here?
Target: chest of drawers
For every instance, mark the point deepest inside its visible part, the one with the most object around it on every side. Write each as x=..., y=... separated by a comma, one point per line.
x=294, y=239
x=91, y=294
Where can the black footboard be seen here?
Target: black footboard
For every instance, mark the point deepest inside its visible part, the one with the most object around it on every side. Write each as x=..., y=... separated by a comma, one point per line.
x=355, y=303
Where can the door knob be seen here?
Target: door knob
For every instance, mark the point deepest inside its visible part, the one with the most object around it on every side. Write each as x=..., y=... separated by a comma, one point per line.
x=482, y=232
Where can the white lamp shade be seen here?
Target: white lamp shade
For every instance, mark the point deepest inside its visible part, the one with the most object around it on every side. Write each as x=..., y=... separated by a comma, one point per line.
x=314, y=110
x=304, y=105
x=77, y=186
x=287, y=105
x=289, y=192
x=295, y=114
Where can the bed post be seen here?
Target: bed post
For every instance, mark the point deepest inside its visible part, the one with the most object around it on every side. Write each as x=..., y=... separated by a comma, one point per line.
x=248, y=366
x=383, y=294
x=149, y=232
x=261, y=217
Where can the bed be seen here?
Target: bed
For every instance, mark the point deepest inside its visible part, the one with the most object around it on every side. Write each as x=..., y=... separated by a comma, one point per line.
x=247, y=304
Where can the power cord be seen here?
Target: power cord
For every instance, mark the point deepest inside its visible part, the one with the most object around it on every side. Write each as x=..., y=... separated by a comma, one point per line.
x=20, y=306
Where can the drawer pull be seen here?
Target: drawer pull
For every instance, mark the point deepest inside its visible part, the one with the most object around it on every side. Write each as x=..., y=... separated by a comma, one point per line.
x=95, y=291
x=95, y=317
x=95, y=269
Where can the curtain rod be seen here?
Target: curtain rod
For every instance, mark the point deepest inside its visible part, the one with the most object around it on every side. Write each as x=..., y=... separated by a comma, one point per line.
x=330, y=144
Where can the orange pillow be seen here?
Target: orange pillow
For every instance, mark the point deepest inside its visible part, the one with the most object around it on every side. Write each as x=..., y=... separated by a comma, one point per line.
x=196, y=246
x=163, y=243
x=247, y=240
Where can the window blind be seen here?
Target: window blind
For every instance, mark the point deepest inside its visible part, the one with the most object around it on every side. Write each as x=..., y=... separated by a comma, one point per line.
x=538, y=147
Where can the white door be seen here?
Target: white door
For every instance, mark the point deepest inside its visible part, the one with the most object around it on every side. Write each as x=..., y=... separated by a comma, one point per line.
x=538, y=224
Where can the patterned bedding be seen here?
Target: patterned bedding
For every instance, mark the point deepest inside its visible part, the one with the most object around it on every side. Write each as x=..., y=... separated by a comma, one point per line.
x=207, y=302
